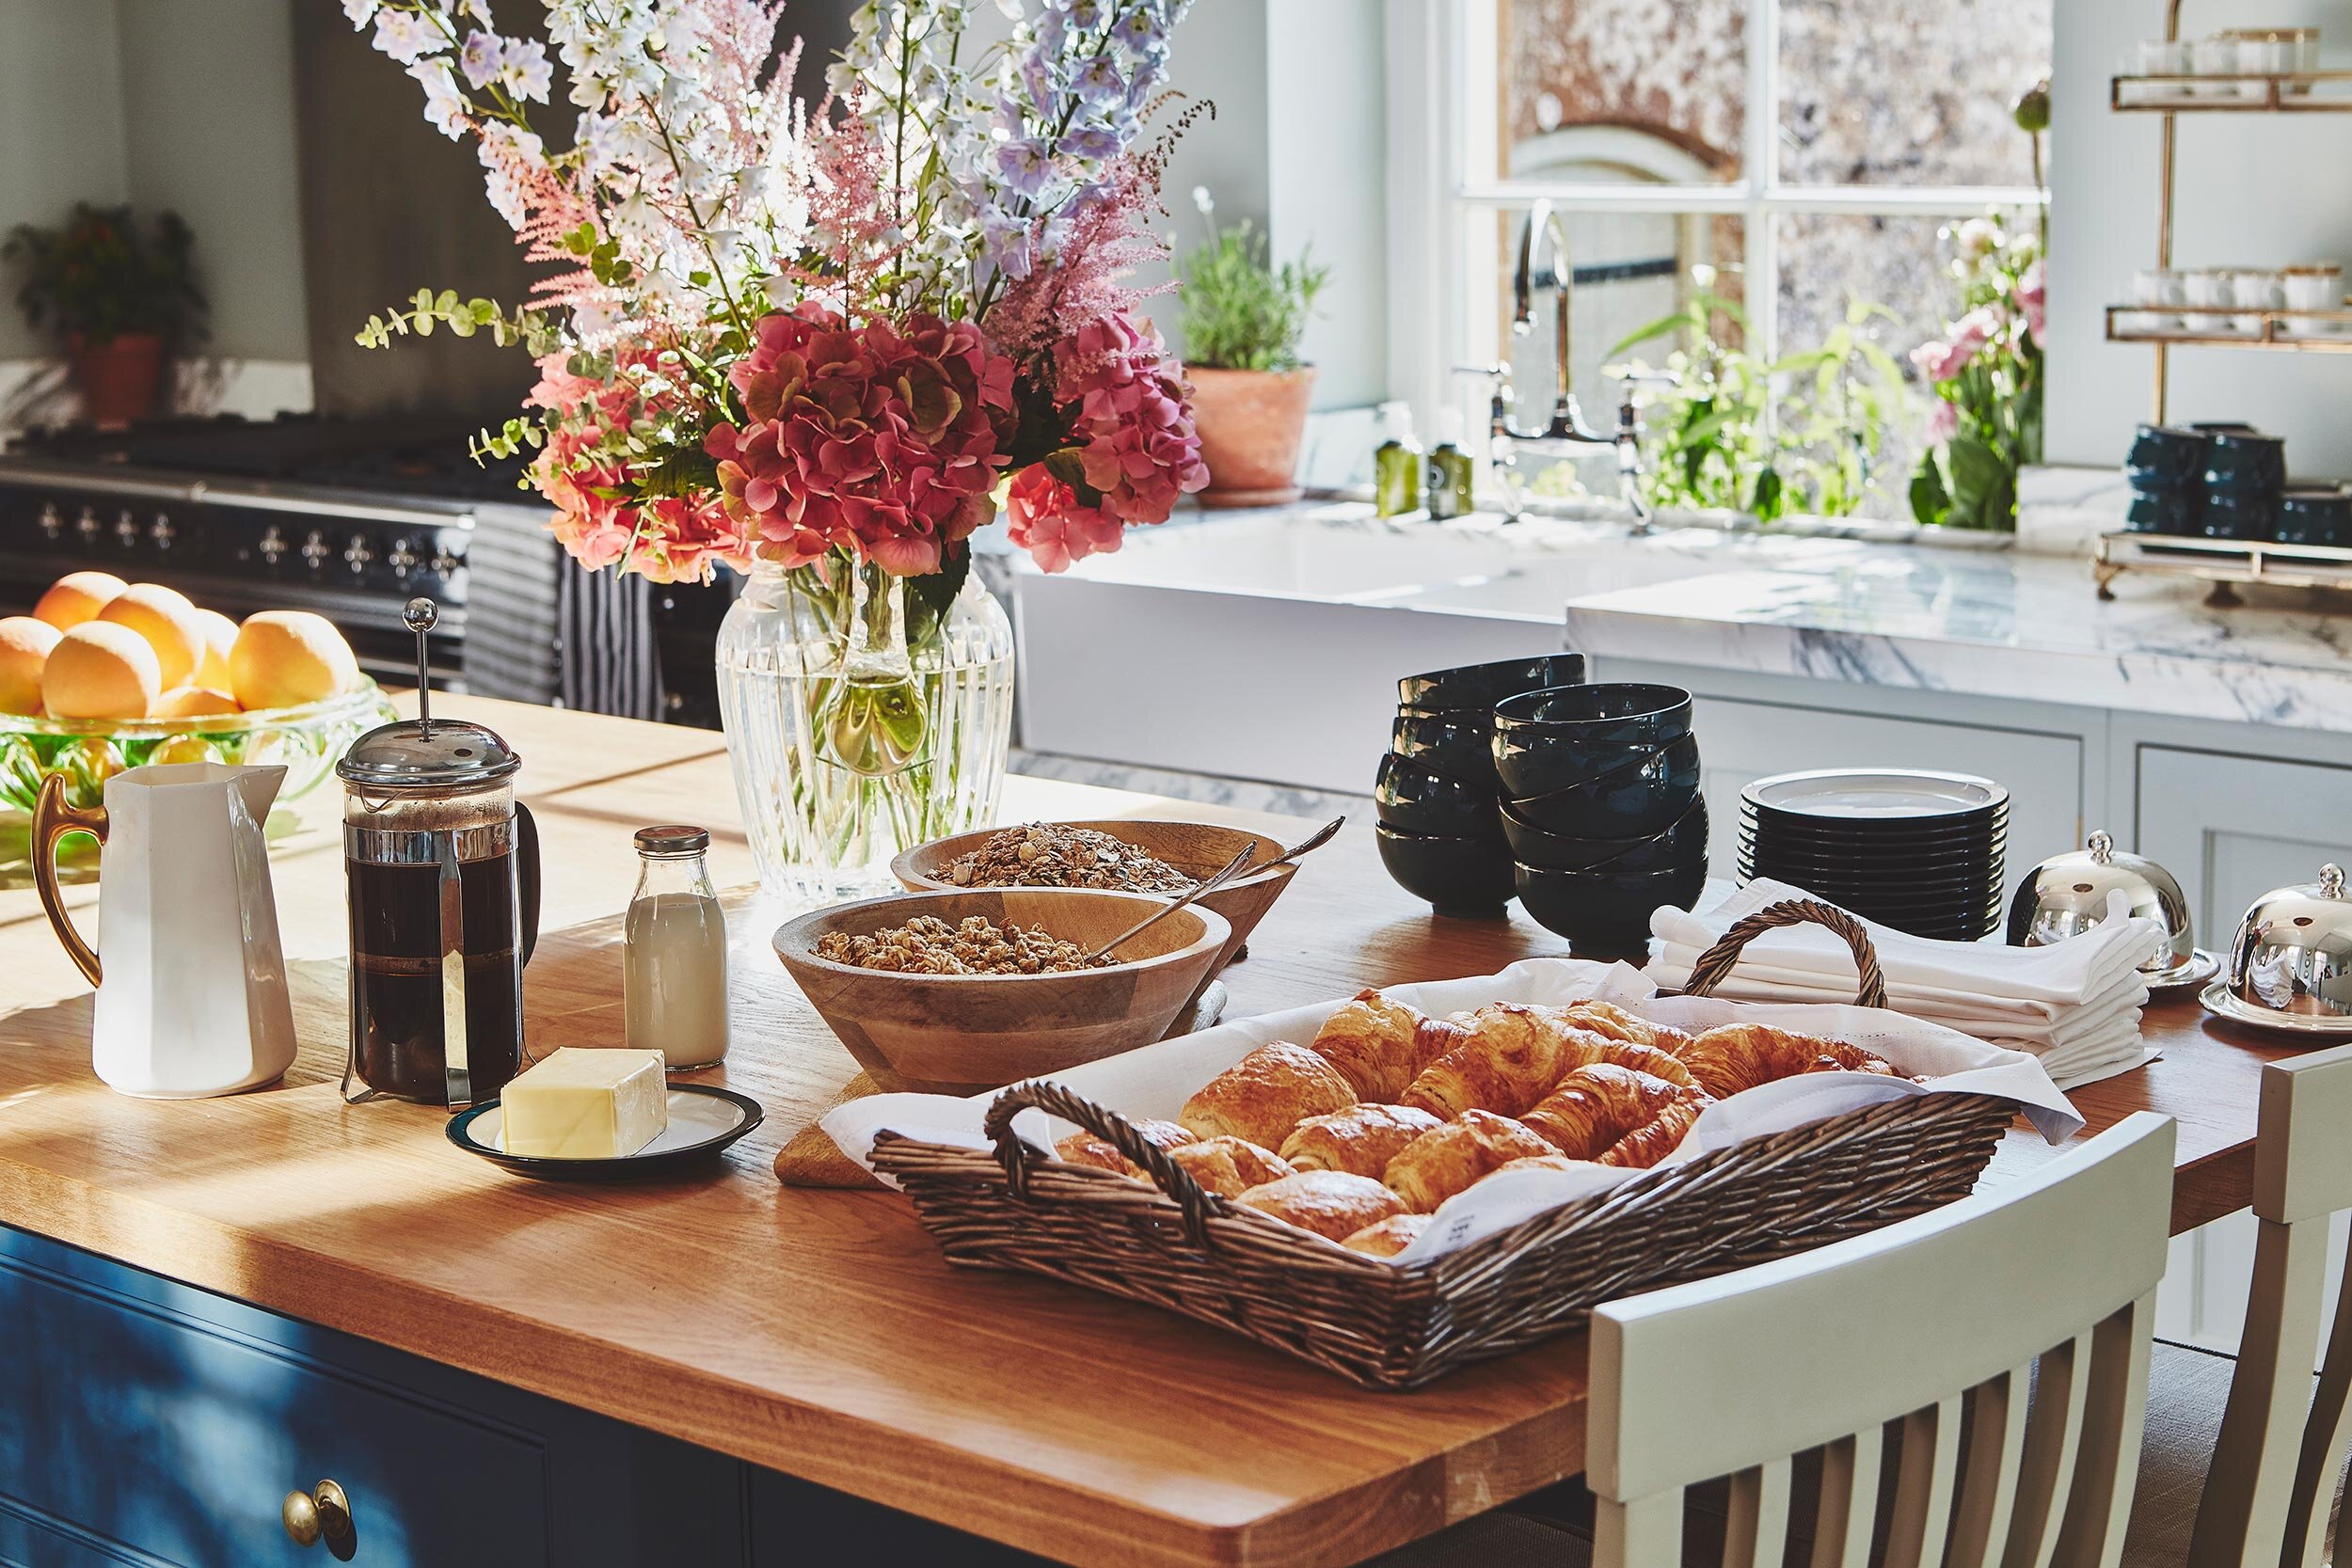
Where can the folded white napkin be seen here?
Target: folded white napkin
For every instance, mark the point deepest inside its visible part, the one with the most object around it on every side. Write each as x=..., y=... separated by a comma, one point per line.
x=1994, y=979
x=2042, y=1023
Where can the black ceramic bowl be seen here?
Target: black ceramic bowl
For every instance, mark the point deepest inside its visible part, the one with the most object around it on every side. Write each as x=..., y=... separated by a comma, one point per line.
x=1482, y=686
x=2249, y=517
x=2245, y=463
x=2165, y=458
x=1605, y=911
x=1631, y=802
x=1415, y=799
x=1612, y=713
x=2315, y=515
x=1465, y=877
x=1680, y=842
x=1459, y=745
x=2173, y=511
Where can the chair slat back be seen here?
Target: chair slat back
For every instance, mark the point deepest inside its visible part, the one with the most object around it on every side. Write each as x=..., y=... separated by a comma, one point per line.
x=2281, y=1445
x=1919, y=1323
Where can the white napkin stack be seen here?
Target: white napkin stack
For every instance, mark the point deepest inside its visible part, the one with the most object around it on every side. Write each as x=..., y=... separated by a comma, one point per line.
x=2074, y=1004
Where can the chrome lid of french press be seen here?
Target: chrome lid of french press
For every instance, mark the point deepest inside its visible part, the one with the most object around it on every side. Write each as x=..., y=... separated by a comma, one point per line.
x=424, y=753
x=2067, y=894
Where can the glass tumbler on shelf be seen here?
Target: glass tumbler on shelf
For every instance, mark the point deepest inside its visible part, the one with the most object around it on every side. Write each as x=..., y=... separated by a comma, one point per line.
x=674, y=981
x=857, y=725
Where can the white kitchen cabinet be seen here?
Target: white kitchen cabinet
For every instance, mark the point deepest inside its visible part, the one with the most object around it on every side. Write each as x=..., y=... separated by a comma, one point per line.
x=2233, y=827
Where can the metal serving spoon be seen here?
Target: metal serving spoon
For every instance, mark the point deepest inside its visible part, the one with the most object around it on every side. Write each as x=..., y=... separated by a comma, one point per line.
x=1234, y=867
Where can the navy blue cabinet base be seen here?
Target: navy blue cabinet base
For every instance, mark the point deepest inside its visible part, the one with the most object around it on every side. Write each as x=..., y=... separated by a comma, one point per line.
x=149, y=1425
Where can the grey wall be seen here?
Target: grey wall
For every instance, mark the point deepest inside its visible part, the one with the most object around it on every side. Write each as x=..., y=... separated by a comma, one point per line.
x=2253, y=190
x=163, y=103
x=60, y=124
x=208, y=116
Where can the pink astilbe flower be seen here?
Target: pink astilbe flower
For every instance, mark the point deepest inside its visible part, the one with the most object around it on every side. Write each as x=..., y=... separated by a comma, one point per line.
x=1940, y=361
x=1088, y=279
x=882, y=439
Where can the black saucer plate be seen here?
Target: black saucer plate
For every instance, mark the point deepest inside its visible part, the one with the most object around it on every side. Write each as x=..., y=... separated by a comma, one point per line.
x=1813, y=831
x=703, y=1119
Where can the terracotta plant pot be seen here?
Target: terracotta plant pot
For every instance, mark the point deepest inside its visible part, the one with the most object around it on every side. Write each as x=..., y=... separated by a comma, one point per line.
x=118, y=379
x=1250, y=424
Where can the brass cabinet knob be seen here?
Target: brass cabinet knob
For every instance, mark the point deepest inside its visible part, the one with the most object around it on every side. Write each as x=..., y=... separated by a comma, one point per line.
x=322, y=1513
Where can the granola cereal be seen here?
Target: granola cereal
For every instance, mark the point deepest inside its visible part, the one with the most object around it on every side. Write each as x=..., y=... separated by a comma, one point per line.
x=1052, y=854
x=928, y=945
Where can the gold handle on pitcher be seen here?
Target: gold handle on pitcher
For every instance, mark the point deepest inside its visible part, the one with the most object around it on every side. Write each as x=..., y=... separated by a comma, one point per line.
x=53, y=819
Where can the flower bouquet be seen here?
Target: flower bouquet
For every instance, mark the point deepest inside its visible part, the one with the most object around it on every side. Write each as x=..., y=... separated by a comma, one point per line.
x=822, y=343
x=1985, y=377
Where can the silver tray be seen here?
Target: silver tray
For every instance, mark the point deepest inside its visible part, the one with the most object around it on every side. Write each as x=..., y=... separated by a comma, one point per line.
x=2195, y=970
x=2221, y=1002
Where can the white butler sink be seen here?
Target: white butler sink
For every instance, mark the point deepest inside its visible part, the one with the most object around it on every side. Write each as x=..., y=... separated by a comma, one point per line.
x=1268, y=646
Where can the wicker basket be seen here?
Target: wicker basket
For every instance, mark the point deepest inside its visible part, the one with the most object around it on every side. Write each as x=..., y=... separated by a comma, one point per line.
x=1391, y=1326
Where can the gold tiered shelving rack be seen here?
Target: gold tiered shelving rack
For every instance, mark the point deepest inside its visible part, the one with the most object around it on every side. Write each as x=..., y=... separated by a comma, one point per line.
x=2222, y=562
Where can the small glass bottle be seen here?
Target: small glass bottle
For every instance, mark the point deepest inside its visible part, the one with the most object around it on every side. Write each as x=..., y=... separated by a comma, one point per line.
x=1450, y=470
x=1396, y=464
x=674, y=975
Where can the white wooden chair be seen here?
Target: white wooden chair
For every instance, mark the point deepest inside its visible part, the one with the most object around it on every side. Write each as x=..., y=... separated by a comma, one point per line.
x=1996, y=1349
x=2280, y=1448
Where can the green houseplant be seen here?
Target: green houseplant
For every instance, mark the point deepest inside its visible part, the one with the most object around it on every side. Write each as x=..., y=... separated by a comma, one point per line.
x=1803, y=434
x=1243, y=317
x=120, y=298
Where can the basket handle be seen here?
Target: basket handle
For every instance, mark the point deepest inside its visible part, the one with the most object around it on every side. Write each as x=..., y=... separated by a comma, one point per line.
x=1715, y=964
x=1198, y=1203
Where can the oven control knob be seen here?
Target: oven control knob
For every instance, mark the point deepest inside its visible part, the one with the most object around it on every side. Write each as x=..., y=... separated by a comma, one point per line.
x=52, y=521
x=126, y=529
x=314, y=548
x=356, y=554
x=401, y=557
x=273, y=544
x=446, y=561
x=162, y=532
x=86, y=524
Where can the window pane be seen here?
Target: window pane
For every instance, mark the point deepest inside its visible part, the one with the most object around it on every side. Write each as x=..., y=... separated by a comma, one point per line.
x=1896, y=262
x=1908, y=92
x=1631, y=270
x=1635, y=92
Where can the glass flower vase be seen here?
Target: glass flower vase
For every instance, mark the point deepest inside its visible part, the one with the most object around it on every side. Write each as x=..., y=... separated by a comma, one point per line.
x=858, y=725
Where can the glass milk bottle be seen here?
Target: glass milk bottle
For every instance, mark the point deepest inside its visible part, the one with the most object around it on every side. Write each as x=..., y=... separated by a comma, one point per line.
x=674, y=983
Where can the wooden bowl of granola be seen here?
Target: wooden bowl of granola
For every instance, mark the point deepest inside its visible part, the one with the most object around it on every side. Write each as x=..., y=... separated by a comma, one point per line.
x=966, y=1033
x=1197, y=849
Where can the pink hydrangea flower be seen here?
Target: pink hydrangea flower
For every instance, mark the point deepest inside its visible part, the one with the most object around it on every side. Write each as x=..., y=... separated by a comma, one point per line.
x=882, y=439
x=1133, y=426
x=1045, y=516
x=1943, y=421
x=1940, y=361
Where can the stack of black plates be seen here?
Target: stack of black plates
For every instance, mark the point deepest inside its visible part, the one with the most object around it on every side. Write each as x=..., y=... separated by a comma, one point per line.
x=1919, y=851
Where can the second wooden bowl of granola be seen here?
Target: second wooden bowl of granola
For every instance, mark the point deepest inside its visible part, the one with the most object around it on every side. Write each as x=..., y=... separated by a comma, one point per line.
x=912, y=1029
x=1197, y=849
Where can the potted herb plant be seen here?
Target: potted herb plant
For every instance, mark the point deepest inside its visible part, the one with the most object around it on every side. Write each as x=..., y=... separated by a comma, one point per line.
x=1243, y=317
x=122, y=299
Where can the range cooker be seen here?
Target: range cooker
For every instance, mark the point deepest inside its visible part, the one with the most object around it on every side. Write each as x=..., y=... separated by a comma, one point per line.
x=352, y=520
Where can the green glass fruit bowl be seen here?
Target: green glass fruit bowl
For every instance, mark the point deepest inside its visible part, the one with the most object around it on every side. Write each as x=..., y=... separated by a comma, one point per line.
x=307, y=741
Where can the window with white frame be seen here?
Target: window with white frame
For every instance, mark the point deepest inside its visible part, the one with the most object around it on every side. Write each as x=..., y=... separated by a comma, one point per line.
x=1809, y=151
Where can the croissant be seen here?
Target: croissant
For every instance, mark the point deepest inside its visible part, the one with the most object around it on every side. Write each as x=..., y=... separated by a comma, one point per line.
x=1228, y=1166
x=1436, y=1166
x=1377, y=1044
x=1084, y=1149
x=1389, y=1237
x=1330, y=1203
x=1735, y=1056
x=1516, y=1055
x=1657, y=1138
x=1604, y=1018
x=1594, y=1106
x=1360, y=1140
x=1265, y=1094
x=1540, y=1162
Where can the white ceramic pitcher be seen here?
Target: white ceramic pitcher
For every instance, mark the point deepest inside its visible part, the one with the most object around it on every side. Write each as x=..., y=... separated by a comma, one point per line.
x=193, y=998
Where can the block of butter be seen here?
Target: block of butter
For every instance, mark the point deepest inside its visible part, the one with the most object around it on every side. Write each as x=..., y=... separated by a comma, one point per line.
x=586, y=1105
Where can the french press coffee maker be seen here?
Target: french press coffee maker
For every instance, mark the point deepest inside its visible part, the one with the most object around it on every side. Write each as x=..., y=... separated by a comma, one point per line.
x=444, y=867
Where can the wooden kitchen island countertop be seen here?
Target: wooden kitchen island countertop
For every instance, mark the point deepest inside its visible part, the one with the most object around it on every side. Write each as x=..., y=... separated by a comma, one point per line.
x=819, y=1333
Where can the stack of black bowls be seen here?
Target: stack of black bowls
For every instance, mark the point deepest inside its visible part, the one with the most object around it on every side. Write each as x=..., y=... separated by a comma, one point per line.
x=1601, y=807
x=2244, y=472
x=2167, y=471
x=1440, y=829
